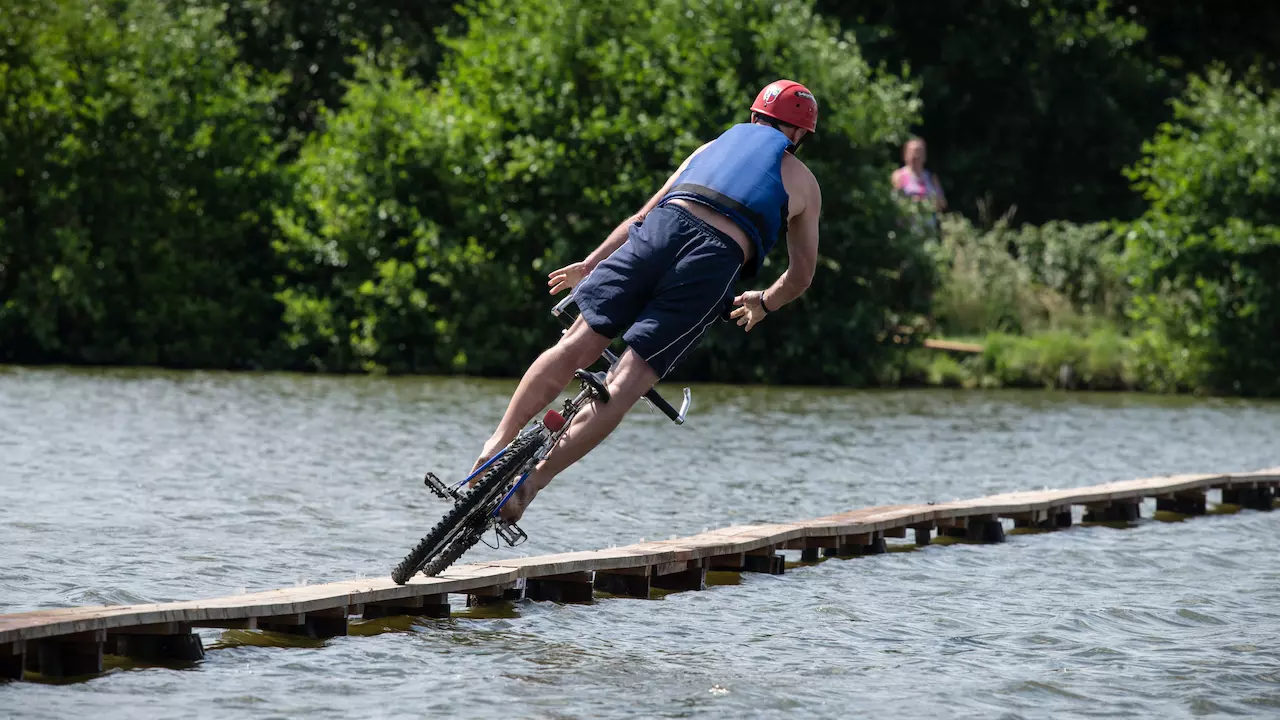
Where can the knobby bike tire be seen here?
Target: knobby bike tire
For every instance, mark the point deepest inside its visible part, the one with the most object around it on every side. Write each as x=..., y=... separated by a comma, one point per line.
x=452, y=553
x=465, y=511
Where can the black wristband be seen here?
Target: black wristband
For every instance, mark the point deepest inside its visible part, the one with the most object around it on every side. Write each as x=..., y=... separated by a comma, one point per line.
x=763, y=306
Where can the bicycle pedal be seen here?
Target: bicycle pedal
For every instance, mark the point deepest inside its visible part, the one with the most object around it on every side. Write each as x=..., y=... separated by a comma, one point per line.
x=437, y=486
x=510, y=533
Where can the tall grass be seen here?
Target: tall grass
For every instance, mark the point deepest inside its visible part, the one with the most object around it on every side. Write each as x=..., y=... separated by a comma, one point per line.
x=1045, y=301
x=1032, y=279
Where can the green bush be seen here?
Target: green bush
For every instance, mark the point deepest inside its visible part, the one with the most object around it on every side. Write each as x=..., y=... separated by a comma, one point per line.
x=1205, y=258
x=137, y=175
x=426, y=218
x=1100, y=360
x=1054, y=276
x=1078, y=262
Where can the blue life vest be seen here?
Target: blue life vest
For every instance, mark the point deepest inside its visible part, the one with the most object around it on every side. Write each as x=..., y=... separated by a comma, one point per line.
x=740, y=176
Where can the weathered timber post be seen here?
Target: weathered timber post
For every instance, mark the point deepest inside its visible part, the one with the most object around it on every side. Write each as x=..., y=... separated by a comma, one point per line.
x=693, y=577
x=156, y=643
x=429, y=606
x=626, y=582
x=318, y=624
x=1191, y=502
x=11, y=657
x=1114, y=511
x=923, y=533
x=67, y=655
x=507, y=592
x=764, y=560
x=573, y=587
x=1260, y=498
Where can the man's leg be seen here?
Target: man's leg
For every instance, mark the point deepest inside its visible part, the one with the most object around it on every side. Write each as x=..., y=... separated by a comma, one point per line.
x=545, y=378
x=628, y=381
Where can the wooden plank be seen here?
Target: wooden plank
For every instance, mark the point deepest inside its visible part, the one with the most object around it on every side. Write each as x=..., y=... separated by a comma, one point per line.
x=732, y=545
x=587, y=561
x=40, y=624
x=953, y=346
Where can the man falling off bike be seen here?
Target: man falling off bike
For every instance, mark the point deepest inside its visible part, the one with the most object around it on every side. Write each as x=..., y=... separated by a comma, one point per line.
x=665, y=274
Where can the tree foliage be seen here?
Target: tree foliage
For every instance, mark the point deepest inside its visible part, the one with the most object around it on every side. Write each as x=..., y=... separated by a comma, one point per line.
x=1029, y=104
x=137, y=174
x=427, y=217
x=312, y=42
x=1205, y=257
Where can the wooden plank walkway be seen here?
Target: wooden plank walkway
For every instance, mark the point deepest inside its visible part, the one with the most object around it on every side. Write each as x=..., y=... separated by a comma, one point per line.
x=953, y=346
x=72, y=641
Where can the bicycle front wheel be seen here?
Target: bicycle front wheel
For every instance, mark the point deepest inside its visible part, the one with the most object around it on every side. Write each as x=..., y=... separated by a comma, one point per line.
x=462, y=526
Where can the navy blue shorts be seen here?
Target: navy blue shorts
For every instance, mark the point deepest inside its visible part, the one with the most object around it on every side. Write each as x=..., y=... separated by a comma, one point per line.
x=664, y=287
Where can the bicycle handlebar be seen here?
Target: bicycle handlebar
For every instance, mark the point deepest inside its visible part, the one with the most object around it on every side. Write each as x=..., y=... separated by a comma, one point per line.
x=654, y=398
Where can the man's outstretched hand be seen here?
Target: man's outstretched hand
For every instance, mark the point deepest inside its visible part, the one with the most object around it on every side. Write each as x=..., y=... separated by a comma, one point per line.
x=749, y=311
x=567, y=277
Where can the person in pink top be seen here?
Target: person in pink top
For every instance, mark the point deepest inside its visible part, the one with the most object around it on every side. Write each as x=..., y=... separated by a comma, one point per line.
x=914, y=181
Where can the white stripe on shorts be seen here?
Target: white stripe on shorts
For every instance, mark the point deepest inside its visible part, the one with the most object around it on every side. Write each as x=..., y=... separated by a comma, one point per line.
x=703, y=319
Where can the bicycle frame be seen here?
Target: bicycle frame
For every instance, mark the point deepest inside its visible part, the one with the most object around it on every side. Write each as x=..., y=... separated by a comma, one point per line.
x=571, y=407
x=654, y=400
x=478, y=518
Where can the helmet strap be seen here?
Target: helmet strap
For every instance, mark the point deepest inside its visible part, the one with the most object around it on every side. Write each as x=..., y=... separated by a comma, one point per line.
x=774, y=123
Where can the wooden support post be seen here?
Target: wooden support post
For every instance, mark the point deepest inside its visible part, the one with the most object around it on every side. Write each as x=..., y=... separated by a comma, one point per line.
x=1231, y=496
x=851, y=545
x=319, y=624
x=431, y=606
x=1260, y=498
x=1193, y=503
x=810, y=554
x=1188, y=503
x=923, y=531
x=992, y=531
x=733, y=561
x=875, y=547
x=977, y=528
x=495, y=595
x=570, y=588
x=1115, y=511
x=67, y=655
x=158, y=643
x=11, y=656
x=625, y=584
x=1063, y=519
x=764, y=560
x=694, y=577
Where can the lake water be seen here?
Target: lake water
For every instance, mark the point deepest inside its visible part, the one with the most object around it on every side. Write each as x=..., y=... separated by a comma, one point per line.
x=127, y=486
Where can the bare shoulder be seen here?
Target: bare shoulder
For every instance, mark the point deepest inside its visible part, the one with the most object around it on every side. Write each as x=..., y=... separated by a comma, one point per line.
x=799, y=181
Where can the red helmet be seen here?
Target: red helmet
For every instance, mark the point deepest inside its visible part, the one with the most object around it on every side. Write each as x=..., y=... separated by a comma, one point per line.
x=790, y=102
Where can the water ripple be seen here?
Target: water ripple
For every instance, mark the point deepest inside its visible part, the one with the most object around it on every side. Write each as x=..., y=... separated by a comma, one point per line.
x=133, y=486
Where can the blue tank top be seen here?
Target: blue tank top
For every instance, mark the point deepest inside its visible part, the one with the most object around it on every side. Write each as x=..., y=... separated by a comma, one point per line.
x=740, y=176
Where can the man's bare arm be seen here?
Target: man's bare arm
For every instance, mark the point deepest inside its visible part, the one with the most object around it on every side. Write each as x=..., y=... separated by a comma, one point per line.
x=802, y=251
x=802, y=255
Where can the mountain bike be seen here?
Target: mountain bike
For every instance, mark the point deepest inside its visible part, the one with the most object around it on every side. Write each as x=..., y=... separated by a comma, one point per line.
x=476, y=509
